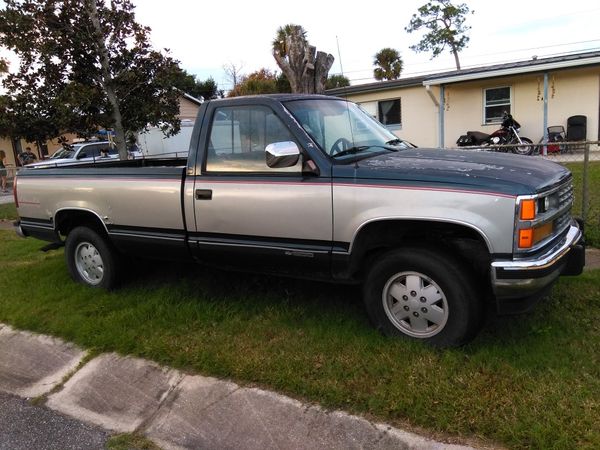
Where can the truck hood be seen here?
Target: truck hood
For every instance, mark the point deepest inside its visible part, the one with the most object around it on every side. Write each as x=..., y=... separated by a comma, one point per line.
x=504, y=173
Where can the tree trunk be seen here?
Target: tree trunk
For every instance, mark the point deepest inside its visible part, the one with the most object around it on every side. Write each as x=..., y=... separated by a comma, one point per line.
x=455, y=53
x=107, y=79
x=305, y=68
x=287, y=70
x=323, y=63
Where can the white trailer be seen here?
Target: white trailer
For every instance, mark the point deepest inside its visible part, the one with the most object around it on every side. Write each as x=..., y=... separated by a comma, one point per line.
x=153, y=141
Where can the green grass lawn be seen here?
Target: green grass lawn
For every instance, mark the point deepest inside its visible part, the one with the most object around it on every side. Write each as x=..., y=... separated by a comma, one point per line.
x=8, y=211
x=530, y=381
x=592, y=225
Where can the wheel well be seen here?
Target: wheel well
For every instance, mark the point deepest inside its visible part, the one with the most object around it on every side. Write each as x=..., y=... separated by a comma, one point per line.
x=66, y=220
x=379, y=237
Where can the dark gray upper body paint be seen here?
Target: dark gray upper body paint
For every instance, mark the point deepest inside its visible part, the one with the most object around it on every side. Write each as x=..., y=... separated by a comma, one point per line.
x=462, y=169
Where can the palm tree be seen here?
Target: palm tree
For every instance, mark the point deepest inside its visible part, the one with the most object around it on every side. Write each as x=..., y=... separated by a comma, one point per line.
x=388, y=64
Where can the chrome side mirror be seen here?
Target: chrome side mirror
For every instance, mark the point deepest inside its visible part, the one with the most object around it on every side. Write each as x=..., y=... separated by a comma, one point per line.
x=282, y=154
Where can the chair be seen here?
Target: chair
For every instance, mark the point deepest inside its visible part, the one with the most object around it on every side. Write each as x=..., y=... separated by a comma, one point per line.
x=577, y=128
x=556, y=135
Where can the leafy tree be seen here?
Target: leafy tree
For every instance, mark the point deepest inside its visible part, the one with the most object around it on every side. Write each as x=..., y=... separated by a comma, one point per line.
x=336, y=81
x=84, y=64
x=262, y=81
x=388, y=64
x=446, y=25
x=283, y=84
x=186, y=82
x=305, y=68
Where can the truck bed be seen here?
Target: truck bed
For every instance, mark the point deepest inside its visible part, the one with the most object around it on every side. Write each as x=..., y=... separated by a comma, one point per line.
x=124, y=195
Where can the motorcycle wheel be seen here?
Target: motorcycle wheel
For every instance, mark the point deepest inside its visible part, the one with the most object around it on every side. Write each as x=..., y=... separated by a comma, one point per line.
x=525, y=149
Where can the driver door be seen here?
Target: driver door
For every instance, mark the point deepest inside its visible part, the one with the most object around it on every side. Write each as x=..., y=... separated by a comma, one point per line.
x=250, y=215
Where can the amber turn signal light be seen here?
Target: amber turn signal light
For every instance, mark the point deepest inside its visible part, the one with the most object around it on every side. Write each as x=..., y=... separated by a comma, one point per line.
x=526, y=238
x=528, y=209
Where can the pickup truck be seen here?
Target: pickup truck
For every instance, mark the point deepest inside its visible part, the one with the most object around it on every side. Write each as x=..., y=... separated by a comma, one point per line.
x=312, y=186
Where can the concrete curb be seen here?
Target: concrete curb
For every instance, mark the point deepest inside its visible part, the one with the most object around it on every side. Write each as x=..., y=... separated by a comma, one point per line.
x=32, y=365
x=180, y=411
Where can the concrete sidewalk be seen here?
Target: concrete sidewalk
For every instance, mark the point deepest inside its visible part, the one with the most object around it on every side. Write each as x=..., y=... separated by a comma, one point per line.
x=176, y=410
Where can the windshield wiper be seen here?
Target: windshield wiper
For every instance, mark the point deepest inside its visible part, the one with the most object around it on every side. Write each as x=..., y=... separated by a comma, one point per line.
x=393, y=142
x=352, y=150
x=359, y=148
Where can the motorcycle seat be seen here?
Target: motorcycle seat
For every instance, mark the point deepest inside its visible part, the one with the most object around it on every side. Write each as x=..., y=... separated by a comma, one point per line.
x=478, y=135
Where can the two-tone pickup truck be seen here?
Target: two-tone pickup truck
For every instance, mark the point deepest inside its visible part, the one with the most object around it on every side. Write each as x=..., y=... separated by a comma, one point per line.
x=312, y=186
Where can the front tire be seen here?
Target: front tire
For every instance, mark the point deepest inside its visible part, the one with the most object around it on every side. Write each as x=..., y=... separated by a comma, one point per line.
x=91, y=259
x=526, y=149
x=423, y=294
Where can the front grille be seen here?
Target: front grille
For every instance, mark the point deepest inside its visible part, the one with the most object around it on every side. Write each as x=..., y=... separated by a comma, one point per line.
x=565, y=195
x=552, y=218
x=562, y=222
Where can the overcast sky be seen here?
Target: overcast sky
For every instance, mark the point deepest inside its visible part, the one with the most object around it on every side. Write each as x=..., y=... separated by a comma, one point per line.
x=206, y=35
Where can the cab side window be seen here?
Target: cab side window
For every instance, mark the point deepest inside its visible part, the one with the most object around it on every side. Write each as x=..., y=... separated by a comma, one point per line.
x=91, y=151
x=239, y=136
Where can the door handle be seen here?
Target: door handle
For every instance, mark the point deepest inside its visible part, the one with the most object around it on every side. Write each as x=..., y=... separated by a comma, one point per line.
x=203, y=194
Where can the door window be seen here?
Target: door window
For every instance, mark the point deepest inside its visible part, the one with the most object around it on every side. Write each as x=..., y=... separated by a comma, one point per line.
x=239, y=136
x=91, y=151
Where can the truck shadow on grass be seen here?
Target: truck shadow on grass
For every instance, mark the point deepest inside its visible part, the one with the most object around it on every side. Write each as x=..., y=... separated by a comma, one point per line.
x=321, y=300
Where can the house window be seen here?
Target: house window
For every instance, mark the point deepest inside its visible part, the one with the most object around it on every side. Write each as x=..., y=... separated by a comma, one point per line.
x=370, y=108
x=389, y=112
x=497, y=101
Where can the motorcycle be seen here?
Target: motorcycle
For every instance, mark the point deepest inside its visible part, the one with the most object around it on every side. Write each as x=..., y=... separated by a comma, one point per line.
x=507, y=134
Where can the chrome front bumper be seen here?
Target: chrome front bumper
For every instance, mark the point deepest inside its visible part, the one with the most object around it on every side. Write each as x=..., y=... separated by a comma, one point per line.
x=523, y=278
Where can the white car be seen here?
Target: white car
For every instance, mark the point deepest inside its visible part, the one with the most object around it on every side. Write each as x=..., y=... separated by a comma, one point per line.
x=79, y=152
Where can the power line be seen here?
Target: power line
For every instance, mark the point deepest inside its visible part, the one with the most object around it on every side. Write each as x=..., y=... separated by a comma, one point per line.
x=492, y=54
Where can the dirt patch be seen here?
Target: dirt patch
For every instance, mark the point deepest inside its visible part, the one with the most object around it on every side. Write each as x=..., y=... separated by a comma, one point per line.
x=6, y=225
x=592, y=258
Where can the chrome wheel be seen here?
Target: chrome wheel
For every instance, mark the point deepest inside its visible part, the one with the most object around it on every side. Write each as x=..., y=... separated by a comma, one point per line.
x=415, y=304
x=89, y=264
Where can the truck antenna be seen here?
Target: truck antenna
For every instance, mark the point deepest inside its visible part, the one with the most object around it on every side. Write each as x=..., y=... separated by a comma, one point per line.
x=339, y=54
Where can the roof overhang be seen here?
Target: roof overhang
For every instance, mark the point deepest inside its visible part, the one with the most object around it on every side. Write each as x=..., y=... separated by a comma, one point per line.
x=192, y=99
x=376, y=87
x=503, y=72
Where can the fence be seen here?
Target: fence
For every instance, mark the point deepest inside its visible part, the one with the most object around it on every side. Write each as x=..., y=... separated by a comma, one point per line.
x=583, y=160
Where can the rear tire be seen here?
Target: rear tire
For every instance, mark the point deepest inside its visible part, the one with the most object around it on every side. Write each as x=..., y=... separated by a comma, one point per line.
x=91, y=259
x=423, y=294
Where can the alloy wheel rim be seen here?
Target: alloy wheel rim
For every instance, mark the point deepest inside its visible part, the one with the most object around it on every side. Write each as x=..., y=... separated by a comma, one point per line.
x=89, y=264
x=415, y=304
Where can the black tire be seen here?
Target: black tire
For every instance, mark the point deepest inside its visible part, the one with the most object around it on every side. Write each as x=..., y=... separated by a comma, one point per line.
x=526, y=149
x=91, y=259
x=443, y=310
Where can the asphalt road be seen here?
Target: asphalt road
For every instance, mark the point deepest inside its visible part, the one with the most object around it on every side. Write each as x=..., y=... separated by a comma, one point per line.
x=27, y=427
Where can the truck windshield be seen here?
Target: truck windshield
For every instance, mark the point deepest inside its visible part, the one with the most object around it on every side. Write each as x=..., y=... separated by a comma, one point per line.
x=342, y=129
